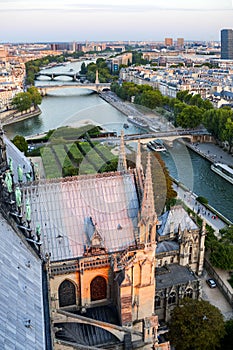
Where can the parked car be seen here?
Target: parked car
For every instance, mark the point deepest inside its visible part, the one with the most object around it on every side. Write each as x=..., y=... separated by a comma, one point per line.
x=211, y=283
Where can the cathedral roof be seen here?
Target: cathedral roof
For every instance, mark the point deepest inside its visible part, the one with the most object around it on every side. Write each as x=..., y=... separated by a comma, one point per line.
x=176, y=217
x=69, y=210
x=21, y=306
x=172, y=275
x=167, y=246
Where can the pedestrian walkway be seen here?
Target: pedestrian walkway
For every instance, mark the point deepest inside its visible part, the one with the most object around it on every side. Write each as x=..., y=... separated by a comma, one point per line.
x=211, y=217
x=213, y=153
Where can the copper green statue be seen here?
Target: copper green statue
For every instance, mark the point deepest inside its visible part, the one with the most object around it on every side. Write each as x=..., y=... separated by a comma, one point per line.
x=11, y=165
x=8, y=182
x=28, y=211
x=18, y=197
x=20, y=173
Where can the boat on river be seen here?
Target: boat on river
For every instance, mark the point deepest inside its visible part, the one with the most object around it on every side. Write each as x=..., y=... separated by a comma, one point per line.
x=157, y=146
x=137, y=121
x=223, y=170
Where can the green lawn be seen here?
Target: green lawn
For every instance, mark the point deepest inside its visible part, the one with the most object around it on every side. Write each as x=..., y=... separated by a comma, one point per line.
x=50, y=165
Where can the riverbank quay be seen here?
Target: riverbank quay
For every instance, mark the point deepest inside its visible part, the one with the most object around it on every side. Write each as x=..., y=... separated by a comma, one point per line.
x=128, y=109
x=146, y=120
x=205, y=211
x=13, y=116
x=212, y=152
x=123, y=107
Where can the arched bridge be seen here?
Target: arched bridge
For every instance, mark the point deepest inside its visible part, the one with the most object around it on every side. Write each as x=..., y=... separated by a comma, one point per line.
x=167, y=136
x=52, y=75
x=97, y=87
x=170, y=136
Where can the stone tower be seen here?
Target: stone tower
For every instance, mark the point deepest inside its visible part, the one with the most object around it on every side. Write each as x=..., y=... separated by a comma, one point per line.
x=137, y=287
x=147, y=216
x=122, y=165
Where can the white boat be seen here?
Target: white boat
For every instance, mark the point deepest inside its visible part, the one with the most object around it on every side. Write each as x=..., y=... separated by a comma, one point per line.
x=223, y=170
x=137, y=121
x=156, y=146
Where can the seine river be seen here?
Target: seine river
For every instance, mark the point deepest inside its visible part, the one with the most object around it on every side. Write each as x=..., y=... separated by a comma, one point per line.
x=70, y=106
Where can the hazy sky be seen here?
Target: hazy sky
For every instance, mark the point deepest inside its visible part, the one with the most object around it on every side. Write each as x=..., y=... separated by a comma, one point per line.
x=68, y=20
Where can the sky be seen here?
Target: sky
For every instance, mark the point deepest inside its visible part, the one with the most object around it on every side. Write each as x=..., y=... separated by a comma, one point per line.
x=103, y=20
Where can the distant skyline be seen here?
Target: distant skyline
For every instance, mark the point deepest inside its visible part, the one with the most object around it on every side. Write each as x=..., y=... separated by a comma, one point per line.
x=102, y=20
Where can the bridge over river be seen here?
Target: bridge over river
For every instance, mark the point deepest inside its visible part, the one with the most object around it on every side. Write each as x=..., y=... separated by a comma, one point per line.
x=199, y=135
x=53, y=75
x=97, y=87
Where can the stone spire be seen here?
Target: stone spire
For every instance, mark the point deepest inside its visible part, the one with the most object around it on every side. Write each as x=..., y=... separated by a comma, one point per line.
x=97, y=77
x=122, y=165
x=148, y=207
x=139, y=172
x=139, y=157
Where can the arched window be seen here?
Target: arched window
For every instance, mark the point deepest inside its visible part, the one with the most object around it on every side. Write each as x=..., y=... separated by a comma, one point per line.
x=157, y=302
x=188, y=293
x=67, y=294
x=172, y=298
x=190, y=254
x=98, y=288
x=150, y=231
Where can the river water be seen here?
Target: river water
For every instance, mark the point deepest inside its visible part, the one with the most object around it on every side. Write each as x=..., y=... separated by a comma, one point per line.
x=70, y=106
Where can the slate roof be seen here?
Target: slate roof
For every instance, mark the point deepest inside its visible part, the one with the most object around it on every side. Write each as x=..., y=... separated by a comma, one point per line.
x=167, y=246
x=173, y=275
x=177, y=216
x=69, y=209
x=20, y=294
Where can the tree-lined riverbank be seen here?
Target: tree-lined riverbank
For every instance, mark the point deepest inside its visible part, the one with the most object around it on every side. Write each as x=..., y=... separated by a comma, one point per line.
x=14, y=116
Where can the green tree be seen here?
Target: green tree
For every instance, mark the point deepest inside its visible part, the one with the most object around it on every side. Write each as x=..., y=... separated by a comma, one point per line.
x=20, y=142
x=227, y=133
x=196, y=325
x=83, y=68
x=196, y=100
x=22, y=101
x=181, y=95
x=190, y=117
x=138, y=59
x=219, y=122
x=227, y=341
x=151, y=99
x=187, y=98
x=35, y=96
x=222, y=252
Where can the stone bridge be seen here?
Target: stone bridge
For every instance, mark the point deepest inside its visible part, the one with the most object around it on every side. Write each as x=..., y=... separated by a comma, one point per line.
x=167, y=136
x=97, y=87
x=74, y=75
